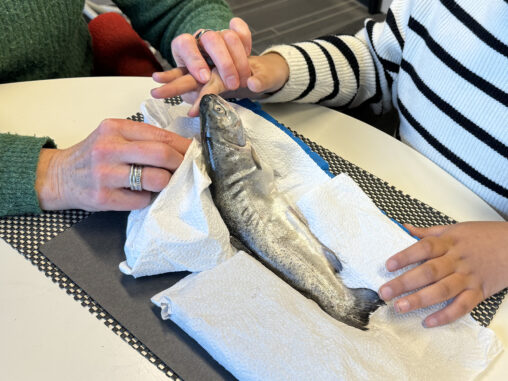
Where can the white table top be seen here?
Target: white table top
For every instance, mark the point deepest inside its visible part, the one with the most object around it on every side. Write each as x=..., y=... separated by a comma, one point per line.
x=49, y=336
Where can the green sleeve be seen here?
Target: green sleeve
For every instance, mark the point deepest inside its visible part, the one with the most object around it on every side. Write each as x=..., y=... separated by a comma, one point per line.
x=160, y=21
x=19, y=156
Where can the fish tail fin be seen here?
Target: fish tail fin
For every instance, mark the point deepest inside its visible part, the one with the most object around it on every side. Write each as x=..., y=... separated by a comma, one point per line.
x=366, y=302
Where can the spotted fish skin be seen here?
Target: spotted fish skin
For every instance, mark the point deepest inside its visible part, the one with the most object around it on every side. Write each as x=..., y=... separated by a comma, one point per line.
x=268, y=224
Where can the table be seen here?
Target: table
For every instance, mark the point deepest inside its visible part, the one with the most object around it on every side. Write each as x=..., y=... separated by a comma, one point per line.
x=42, y=340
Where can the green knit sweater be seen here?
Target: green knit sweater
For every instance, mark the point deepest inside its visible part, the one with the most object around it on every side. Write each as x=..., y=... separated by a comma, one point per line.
x=43, y=39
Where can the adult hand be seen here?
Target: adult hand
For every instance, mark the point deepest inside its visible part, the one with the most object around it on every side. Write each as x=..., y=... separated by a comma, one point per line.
x=94, y=174
x=269, y=73
x=228, y=49
x=467, y=262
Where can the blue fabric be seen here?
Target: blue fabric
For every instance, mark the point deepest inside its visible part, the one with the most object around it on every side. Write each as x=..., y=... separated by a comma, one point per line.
x=322, y=163
x=256, y=108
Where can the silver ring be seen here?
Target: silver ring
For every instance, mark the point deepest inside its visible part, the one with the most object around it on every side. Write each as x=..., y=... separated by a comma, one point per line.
x=205, y=55
x=201, y=32
x=135, y=177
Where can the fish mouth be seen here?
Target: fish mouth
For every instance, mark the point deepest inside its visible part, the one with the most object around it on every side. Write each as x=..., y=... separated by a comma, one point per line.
x=205, y=101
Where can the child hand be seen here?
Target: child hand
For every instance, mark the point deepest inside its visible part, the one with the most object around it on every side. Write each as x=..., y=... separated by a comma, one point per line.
x=269, y=73
x=467, y=262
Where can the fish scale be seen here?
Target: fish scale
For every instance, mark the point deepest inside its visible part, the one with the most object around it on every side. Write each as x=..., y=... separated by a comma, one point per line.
x=268, y=224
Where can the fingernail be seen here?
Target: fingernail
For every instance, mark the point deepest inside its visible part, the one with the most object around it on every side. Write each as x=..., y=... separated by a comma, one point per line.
x=231, y=82
x=204, y=75
x=391, y=264
x=254, y=83
x=386, y=293
x=402, y=306
x=430, y=322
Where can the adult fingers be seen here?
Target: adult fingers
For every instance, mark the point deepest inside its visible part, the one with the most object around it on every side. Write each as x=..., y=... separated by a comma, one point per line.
x=441, y=291
x=243, y=31
x=178, y=86
x=124, y=199
x=460, y=306
x=152, y=179
x=427, y=248
x=420, y=276
x=155, y=154
x=186, y=52
x=137, y=131
x=237, y=53
x=216, y=48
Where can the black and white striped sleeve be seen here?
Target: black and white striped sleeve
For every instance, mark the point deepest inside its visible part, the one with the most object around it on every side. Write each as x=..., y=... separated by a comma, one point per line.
x=347, y=71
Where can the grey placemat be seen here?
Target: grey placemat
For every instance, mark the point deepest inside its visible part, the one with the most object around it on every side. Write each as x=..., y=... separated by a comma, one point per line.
x=27, y=233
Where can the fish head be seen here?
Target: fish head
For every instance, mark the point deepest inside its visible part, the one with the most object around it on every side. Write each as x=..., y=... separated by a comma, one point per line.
x=220, y=123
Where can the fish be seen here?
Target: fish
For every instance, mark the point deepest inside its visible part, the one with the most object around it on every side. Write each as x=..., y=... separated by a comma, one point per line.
x=265, y=222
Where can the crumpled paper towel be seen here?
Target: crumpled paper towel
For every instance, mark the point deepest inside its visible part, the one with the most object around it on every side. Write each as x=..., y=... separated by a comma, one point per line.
x=182, y=229
x=260, y=328
x=252, y=322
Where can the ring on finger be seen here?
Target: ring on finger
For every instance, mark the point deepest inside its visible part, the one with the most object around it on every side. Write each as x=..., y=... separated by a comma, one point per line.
x=135, y=177
x=206, y=57
x=201, y=32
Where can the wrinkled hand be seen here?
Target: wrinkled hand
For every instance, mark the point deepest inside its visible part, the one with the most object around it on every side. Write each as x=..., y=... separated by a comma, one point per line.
x=94, y=174
x=467, y=262
x=228, y=49
x=269, y=73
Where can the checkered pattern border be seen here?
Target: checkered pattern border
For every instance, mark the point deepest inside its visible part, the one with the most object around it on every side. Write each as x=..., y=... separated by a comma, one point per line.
x=27, y=233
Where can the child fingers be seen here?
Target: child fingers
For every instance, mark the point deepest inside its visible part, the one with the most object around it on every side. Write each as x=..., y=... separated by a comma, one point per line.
x=420, y=276
x=169, y=75
x=426, y=232
x=215, y=86
x=178, y=86
x=447, y=288
x=461, y=305
x=427, y=248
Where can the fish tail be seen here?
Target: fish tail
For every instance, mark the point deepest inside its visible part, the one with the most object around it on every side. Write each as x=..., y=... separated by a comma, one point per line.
x=366, y=302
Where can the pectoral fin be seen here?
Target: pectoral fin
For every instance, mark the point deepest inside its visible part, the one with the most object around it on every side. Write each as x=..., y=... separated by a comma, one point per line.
x=264, y=176
x=332, y=259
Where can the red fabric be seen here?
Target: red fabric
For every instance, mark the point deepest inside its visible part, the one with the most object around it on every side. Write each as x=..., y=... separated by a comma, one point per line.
x=118, y=49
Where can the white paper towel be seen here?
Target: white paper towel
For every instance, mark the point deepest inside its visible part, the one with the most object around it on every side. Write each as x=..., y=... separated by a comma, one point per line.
x=181, y=229
x=252, y=322
x=260, y=328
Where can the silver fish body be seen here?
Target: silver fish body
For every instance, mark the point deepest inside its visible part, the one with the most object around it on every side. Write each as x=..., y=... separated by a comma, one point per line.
x=267, y=223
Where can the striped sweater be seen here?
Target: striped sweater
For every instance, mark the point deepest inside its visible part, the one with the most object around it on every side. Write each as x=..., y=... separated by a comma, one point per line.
x=443, y=65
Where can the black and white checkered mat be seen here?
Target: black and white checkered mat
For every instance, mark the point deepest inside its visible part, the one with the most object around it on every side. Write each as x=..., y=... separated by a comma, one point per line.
x=27, y=233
